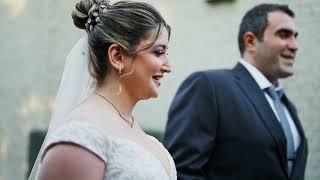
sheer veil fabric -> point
(76, 84)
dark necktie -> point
(279, 107)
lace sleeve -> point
(83, 134)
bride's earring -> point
(119, 87)
(120, 68)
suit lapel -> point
(294, 115)
(256, 96)
(301, 151)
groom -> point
(238, 124)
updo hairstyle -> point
(124, 23)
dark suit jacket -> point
(220, 127)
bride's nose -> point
(166, 68)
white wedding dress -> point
(125, 158)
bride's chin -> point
(150, 92)
(153, 94)
(156, 95)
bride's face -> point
(150, 67)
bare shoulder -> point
(90, 111)
(72, 162)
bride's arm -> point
(71, 162)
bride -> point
(92, 134)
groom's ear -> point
(250, 41)
(116, 56)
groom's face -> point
(276, 52)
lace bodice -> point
(125, 158)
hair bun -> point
(84, 9)
(80, 13)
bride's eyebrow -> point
(163, 46)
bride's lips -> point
(157, 79)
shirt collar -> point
(261, 80)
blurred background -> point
(36, 36)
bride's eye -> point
(159, 53)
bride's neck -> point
(123, 102)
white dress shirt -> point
(264, 83)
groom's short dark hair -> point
(256, 21)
